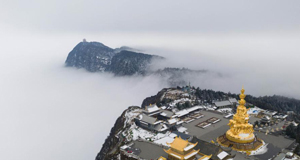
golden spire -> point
(242, 97)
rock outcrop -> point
(110, 148)
(96, 57)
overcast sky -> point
(51, 112)
(165, 16)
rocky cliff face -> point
(110, 148)
(111, 140)
(93, 56)
(156, 99)
(96, 57)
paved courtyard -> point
(192, 129)
(276, 143)
(149, 151)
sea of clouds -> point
(51, 112)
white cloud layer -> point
(50, 112)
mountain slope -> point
(96, 57)
(126, 61)
(93, 56)
(178, 76)
(129, 63)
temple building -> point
(181, 149)
(240, 136)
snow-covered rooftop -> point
(190, 155)
(172, 121)
(254, 110)
(193, 108)
(181, 129)
(182, 113)
(163, 107)
(222, 103)
(151, 108)
(147, 119)
(189, 147)
(222, 155)
(225, 110)
(173, 135)
(175, 155)
(179, 122)
(232, 100)
(167, 113)
(205, 158)
(164, 141)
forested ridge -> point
(275, 102)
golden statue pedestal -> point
(240, 138)
(251, 146)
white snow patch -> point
(130, 115)
(190, 155)
(136, 133)
(222, 155)
(181, 129)
(261, 150)
(173, 104)
(164, 141)
(188, 147)
(225, 110)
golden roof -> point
(179, 144)
(205, 157)
(162, 158)
(182, 156)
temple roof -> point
(181, 156)
(151, 108)
(167, 113)
(181, 144)
(205, 157)
(147, 119)
(222, 103)
(162, 158)
(207, 148)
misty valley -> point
(177, 96)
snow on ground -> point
(164, 141)
(225, 110)
(174, 92)
(172, 104)
(130, 115)
(254, 110)
(136, 133)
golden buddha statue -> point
(240, 135)
(240, 130)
